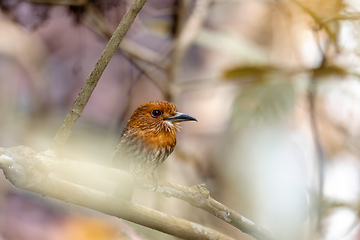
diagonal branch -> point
(198, 196)
(78, 106)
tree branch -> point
(33, 171)
(29, 170)
(199, 196)
(77, 108)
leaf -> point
(261, 103)
(248, 71)
(330, 71)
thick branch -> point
(64, 132)
(25, 169)
(41, 164)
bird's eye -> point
(156, 113)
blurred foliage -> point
(257, 72)
(330, 71)
(261, 103)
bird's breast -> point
(142, 151)
(161, 139)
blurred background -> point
(274, 85)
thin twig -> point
(140, 56)
(320, 156)
(187, 34)
(96, 22)
(64, 132)
(156, 77)
(319, 152)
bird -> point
(148, 138)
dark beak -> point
(181, 117)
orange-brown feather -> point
(146, 141)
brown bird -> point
(148, 138)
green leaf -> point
(248, 70)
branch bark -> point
(36, 172)
(198, 196)
(29, 170)
(83, 97)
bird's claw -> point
(141, 180)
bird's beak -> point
(181, 117)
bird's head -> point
(158, 117)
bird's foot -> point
(151, 179)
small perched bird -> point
(148, 138)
